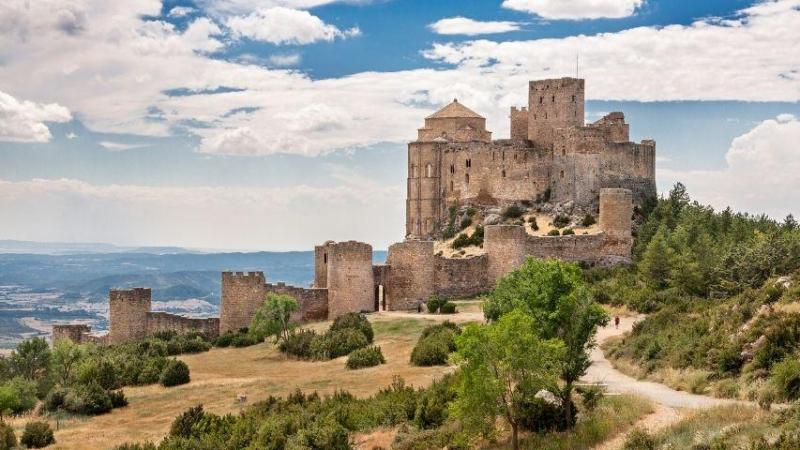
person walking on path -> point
(616, 322)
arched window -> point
(466, 178)
(429, 171)
(325, 258)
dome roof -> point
(453, 111)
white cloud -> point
(24, 121)
(575, 9)
(279, 25)
(761, 173)
(181, 11)
(470, 27)
(119, 146)
(284, 60)
(286, 218)
(234, 7)
(198, 35)
(71, 135)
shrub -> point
(224, 340)
(461, 241)
(431, 411)
(567, 232)
(433, 304)
(465, 222)
(334, 344)
(152, 370)
(786, 378)
(299, 343)
(539, 415)
(434, 345)
(54, 399)
(8, 440)
(245, 340)
(448, 308)
(591, 396)
(441, 327)
(588, 220)
(726, 388)
(88, 399)
(176, 372)
(639, 439)
(534, 224)
(118, 399)
(560, 221)
(355, 321)
(553, 232)
(512, 212)
(365, 357)
(37, 435)
(183, 424)
(17, 395)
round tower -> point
(505, 247)
(350, 278)
(616, 213)
(411, 274)
(128, 310)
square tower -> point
(554, 104)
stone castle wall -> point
(162, 321)
(462, 277)
(552, 105)
(350, 278)
(519, 123)
(313, 302)
(411, 274)
(74, 333)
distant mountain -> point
(65, 248)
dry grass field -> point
(257, 371)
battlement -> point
(130, 295)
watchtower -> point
(128, 310)
(242, 294)
(554, 104)
(616, 212)
(350, 278)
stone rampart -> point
(505, 247)
(350, 278)
(460, 277)
(75, 333)
(313, 302)
(128, 309)
(411, 274)
(163, 321)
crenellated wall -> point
(411, 274)
(313, 302)
(242, 294)
(350, 279)
(162, 321)
(461, 277)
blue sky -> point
(277, 124)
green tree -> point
(17, 395)
(556, 296)
(66, 356)
(498, 362)
(658, 260)
(31, 359)
(273, 317)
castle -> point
(552, 158)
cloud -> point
(279, 25)
(199, 35)
(575, 9)
(119, 146)
(206, 217)
(238, 7)
(24, 121)
(760, 175)
(181, 11)
(469, 27)
(284, 60)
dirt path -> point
(661, 418)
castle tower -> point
(128, 310)
(424, 191)
(411, 273)
(616, 213)
(350, 278)
(554, 104)
(505, 247)
(242, 294)
(519, 123)
(321, 264)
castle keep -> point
(553, 162)
(551, 156)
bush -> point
(334, 344)
(786, 378)
(441, 327)
(433, 303)
(118, 399)
(299, 343)
(431, 411)
(152, 370)
(355, 321)
(539, 415)
(553, 232)
(465, 222)
(512, 212)
(224, 340)
(176, 372)
(567, 232)
(465, 241)
(448, 308)
(17, 395)
(639, 439)
(365, 357)
(183, 424)
(588, 221)
(560, 221)
(88, 399)
(534, 224)
(54, 399)
(37, 435)
(245, 340)
(8, 440)
(434, 345)
(591, 396)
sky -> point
(279, 124)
